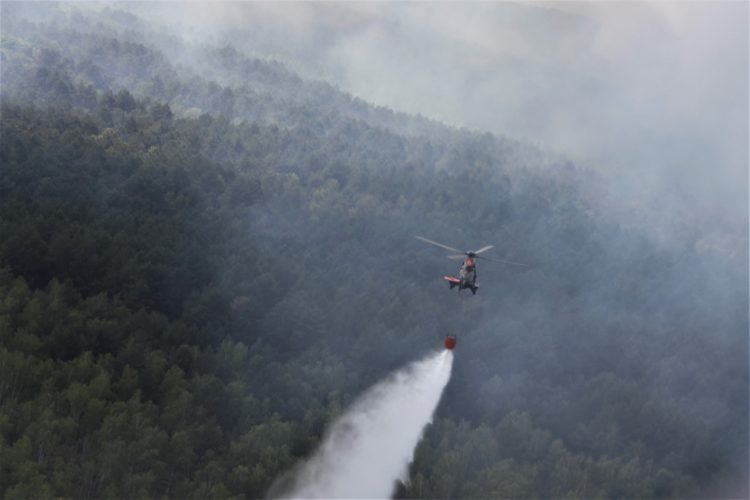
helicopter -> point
(467, 274)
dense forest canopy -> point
(205, 257)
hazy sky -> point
(658, 89)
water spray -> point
(370, 447)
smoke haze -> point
(653, 92)
(270, 220)
(371, 446)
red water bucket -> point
(449, 342)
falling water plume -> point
(371, 446)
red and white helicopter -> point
(467, 274)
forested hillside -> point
(205, 258)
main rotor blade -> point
(439, 244)
(483, 249)
(456, 257)
(502, 261)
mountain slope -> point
(191, 296)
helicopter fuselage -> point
(462, 284)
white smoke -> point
(371, 446)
